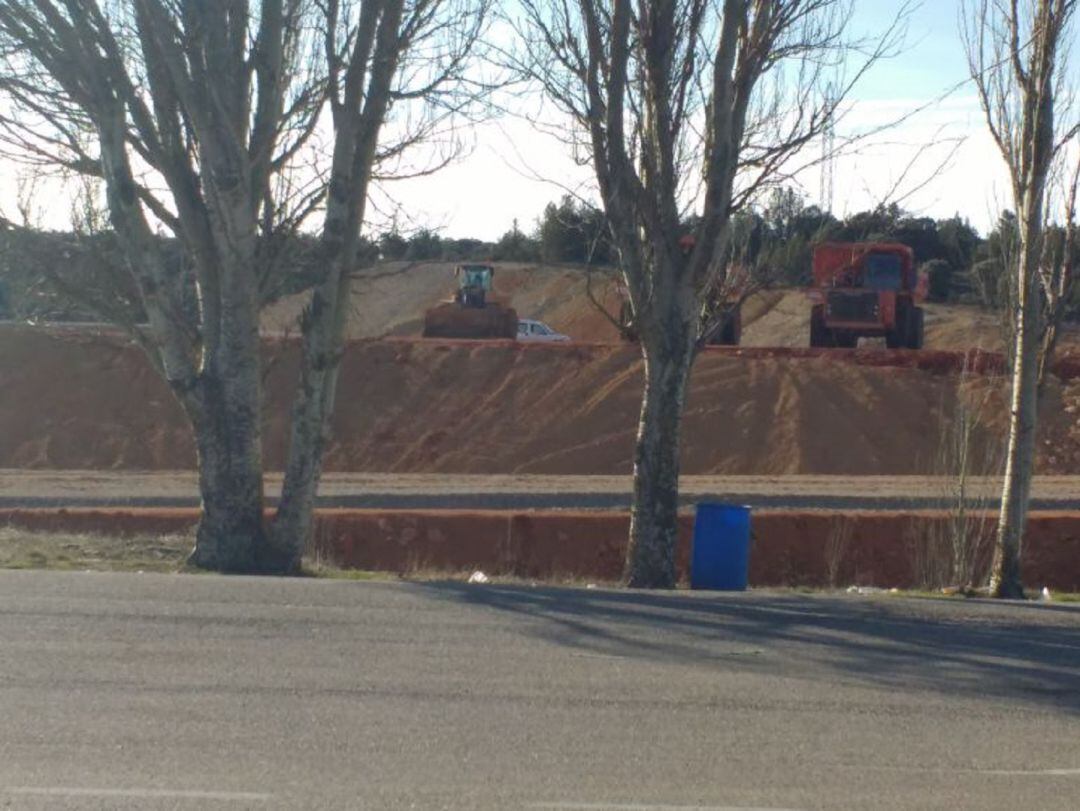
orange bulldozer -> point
(473, 312)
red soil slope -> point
(75, 400)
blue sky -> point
(933, 60)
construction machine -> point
(473, 312)
(866, 289)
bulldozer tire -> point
(846, 340)
(899, 337)
(916, 325)
(819, 333)
(730, 331)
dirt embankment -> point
(74, 400)
(390, 300)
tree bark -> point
(358, 123)
(231, 536)
(1005, 577)
(311, 415)
(650, 558)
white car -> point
(529, 330)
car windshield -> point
(882, 271)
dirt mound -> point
(75, 400)
(391, 300)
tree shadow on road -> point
(1023, 653)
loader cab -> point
(474, 283)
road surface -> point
(203, 692)
(51, 488)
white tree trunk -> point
(1005, 578)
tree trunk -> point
(650, 558)
(1005, 579)
(355, 142)
(231, 536)
(324, 337)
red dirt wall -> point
(73, 400)
(790, 548)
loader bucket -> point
(452, 320)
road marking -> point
(136, 793)
(564, 806)
(1034, 773)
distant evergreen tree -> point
(392, 246)
(574, 232)
(424, 245)
(515, 246)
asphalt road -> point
(443, 491)
(202, 692)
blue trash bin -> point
(720, 557)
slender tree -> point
(385, 53)
(1018, 55)
(686, 110)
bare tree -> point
(686, 109)
(1018, 55)
(428, 42)
(200, 119)
(1058, 265)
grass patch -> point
(70, 551)
(1056, 597)
(327, 571)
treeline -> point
(568, 232)
(776, 240)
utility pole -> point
(828, 154)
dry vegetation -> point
(70, 551)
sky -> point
(511, 171)
(502, 177)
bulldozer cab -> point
(474, 282)
(475, 276)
